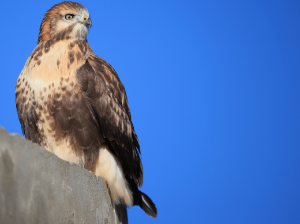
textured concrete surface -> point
(38, 187)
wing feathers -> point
(108, 100)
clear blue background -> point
(213, 88)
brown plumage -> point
(72, 103)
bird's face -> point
(70, 18)
(78, 20)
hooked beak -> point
(88, 22)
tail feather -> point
(142, 200)
(147, 205)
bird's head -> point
(69, 18)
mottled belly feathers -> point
(59, 109)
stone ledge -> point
(38, 187)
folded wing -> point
(107, 97)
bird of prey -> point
(72, 103)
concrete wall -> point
(38, 187)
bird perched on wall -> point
(72, 103)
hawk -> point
(72, 103)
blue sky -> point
(213, 88)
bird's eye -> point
(69, 16)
